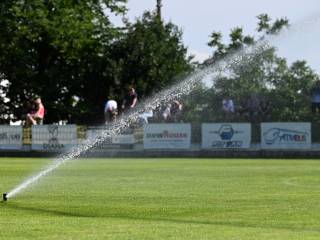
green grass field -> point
(163, 199)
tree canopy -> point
(264, 76)
(150, 54)
(70, 54)
(48, 48)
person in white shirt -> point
(166, 114)
(110, 110)
(228, 107)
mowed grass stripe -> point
(163, 199)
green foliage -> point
(263, 75)
(58, 50)
(150, 55)
(70, 54)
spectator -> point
(265, 110)
(242, 111)
(315, 98)
(110, 110)
(37, 113)
(172, 111)
(253, 105)
(166, 114)
(176, 111)
(228, 107)
(130, 100)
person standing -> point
(228, 108)
(176, 111)
(130, 100)
(110, 110)
(166, 114)
(37, 114)
(315, 98)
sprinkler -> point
(5, 198)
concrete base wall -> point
(175, 154)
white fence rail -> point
(213, 136)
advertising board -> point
(10, 137)
(167, 136)
(57, 138)
(291, 135)
(109, 141)
(226, 135)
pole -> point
(159, 5)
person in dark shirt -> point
(176, 111)
(130, 100)
(315, 98)
(265, 110)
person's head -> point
(37, 100)
(176, 104)
(132, 91)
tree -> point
(58, 50)
(150, 55)
(263, 74)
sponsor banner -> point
(123, 139)
(57, 138)
(226, 135)
(286, 135)
(10, 137)
(167, 136)
(109, 141)
(98, 133)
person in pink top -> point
(36, 117)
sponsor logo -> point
(167, 135)
(226, 133)
(4, 136)
(280, 135)
(53, 142)
(227, 144)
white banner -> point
(122, 139)
(286, 135)
(10, 137)
(56, 138)
(167, 136)
(226, 135)
(97, 132)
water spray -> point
(178, 90)
(181, 88)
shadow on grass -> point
(154, 218)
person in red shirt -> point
(36, 117)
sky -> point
(198, 19)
